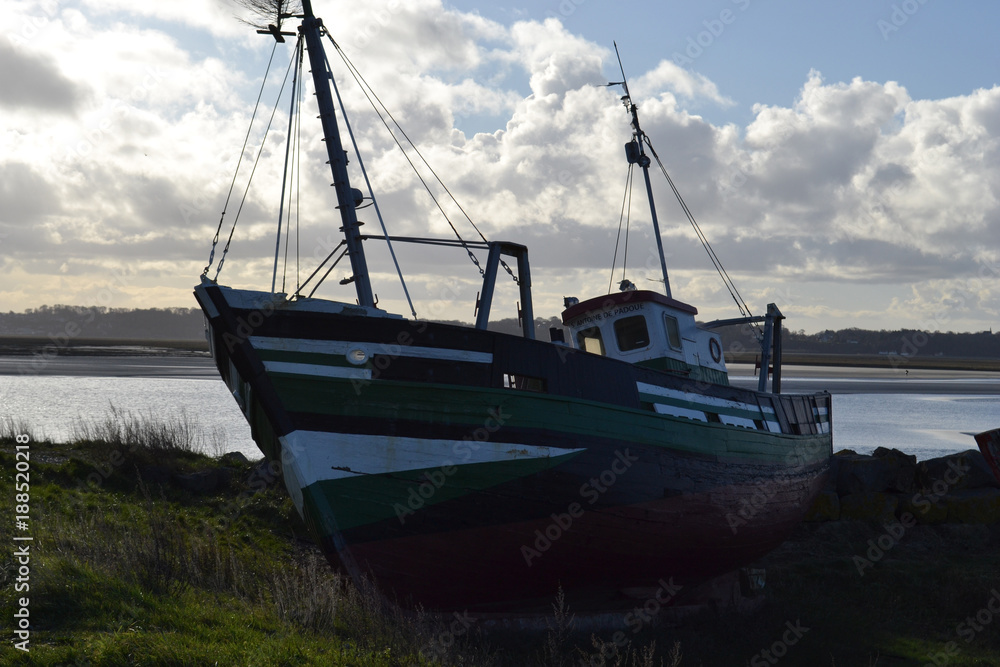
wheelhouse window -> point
(590, 340)
(673, 331)
(631, 333)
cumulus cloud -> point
(856, 188)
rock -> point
(902, 469)
(234, 459)
(964, 470)
(857, 473)
(868, 506)
(826, 507)
(225, 476)
(830, 481)
(980, 505)
(203, 481)
(925, 508)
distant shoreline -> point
(16, 346)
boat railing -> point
(770, 344)
(484, 300)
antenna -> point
(635, 152)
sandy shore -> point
(112, 366)
(859, 380)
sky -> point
(842, 158)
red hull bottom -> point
(594, 557)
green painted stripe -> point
(365, 499)
(696, 373)
(306, 358)
(471, 407)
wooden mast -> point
(312, 30)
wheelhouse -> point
(647, 329)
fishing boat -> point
(458, 467)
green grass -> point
(126, 570)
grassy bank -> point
(133, 564)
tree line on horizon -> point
(185, 324)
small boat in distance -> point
(463, 468)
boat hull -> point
(989, 445)
(465, 469)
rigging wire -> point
(295, 139)
(379, 109)
(292, 113)
(232, 184)
(730, 285)
(260, 151)
(628, 222)
(364, 173)
(626, 198)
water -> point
(55, 406)
(925, 425)
(926, 413)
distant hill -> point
(901, 342)
(188, 324)
(72, 322)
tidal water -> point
(925, 413)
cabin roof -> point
(601, 303)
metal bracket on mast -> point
(275, 31)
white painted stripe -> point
(343, 347)
(737, 421)
(700, 399)
(318, 370)
(675, 411)
(699, 415)
(319, 455)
